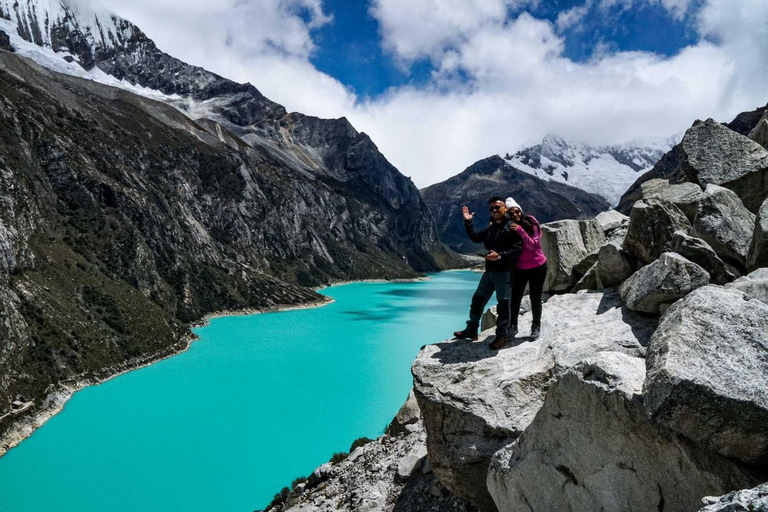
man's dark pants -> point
(492, 281)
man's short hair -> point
(494, 199)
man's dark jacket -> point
(499, 238)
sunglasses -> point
(495, 208)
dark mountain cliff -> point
(121, 220)
(547, 200)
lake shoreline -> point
(26, 424)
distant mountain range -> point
(547, 200)
(607, 171)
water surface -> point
(258, 401)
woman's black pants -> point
(520, 279)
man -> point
(503, 246)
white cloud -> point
(519, 87)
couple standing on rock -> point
(514, 260)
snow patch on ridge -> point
(607, 171)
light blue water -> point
(258, 401)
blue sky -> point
(440, 84)
(349, 47)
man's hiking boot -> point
(499, 341)
(512, 331)
(466, 334)
(535, 331)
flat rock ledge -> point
(474, 400)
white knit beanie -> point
(511, 203)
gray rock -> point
(652, 225)
(410, 462)
(759, 133)
(566, 243)
(667, 279)
(611, 220)
(585, 264)
(746, 500)
(758, 251)
(701, 253)
(685, 196)
(592, 448)
(386, 475)
(614, 266)
(716, 155)
(755, 284)
(474, 400)
(708, 372)
(490, 317)
(725, 224)
(407, 415)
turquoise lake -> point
(257, 402)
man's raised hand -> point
(467, 215)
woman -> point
(530, 267)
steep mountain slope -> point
(606, 171)
(122, 219)
(547, 200)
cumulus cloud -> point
(501, 77)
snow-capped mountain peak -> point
(607, 171)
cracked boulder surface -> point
(591, 448)
(474, 400)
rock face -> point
(5, 42)
(546, 200)
(708, 373)
(758, 251)
(759, 133)
(685, 196)
(747, 500)
(389, 474)
(701, 253)
(122, 220)
(725, 224)
(591, 447)
(755, 284)
(716, 155)
(566, 243)
(666, 280)
(652, 225)
(669, 168)
(474, 400)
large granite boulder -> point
(716, 155)
(666, 280)
(685, 196)
(725, 224)
(758, 251)
(759, 133)
(592, 448)
(652, 225)
(614, 225)
(701, 253)
(474, 400)
(613, 265)
(566, 243)
(708, 372)
(755, 284)
(746, 500)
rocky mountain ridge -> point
(548, 200)
(122, 219)
(647, 389)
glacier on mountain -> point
(607, 171)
